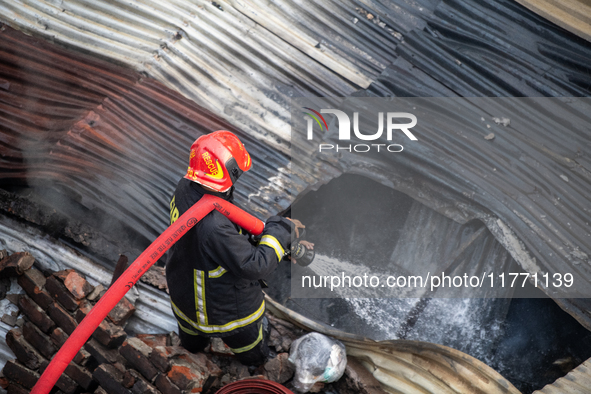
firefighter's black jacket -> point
(213, 271)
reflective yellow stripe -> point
(271, 241)
(249, 347)
(185, 329)
(216, 273)
(200, 296)
(210, 329)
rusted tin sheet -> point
(241, 59)
(113, 140)
(244, 59)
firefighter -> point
(214, 272)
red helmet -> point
(217, 160)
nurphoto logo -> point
(344, 124)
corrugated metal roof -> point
(529, 185)
(243, 60)
(500, 49)
(246, 73)
(488, 49)
(116, 142)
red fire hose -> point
(254, 386)
(126, 281)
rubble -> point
(62, 318)
(25, 353)
(60, 293)
(18, 374)
(279, 369)
(35, 314)
(110, 378)
(113, 362)
(76, 284)
(64, 383)
(95, 294)
(121, 312)
(155, 276)
(38, 340)
(502, 121)
(9, 320)
(33, 282)
(137, 354)
(376, 21)
(15, 264)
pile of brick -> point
(111, 362)
(54, 304)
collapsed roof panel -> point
(528, 179)
(410, 366)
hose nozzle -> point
(301, 254)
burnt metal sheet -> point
(488, 49)
(529, 185)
